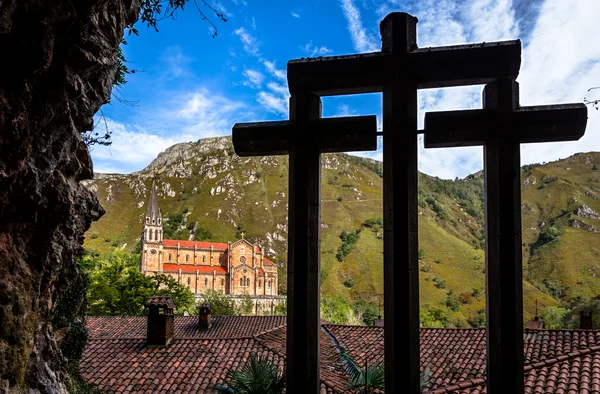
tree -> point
(259, 375)
(117, 288)
(555, 317)
(220, 304)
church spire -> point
(153, 215)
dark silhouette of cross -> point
(501, 127)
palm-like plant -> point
(372, 377)
(257, 376)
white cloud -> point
(186, 117)
(274, 71)
(249, 41)
(176, 63)
(313, 50)
(561, 60)
(254, 79)
(276, 100)
(295, 14)
(362, 41)
(253, 24)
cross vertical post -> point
(304, 212)
(503, 255)
(401, 274)
(501, 126)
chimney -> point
(160, 321)
(378, 322)
(585, 320)
(535, 324)
(204, 316)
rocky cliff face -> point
(58, 63)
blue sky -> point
(191, 86)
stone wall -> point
(57, 66)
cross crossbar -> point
(430, 67)
(346, 134)
(549, 123)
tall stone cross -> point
(304, 138)
(501, 126)
(398, 71)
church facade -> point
(235, 268)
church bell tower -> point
(152, 234)
(153, 221)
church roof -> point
(191, 244)
(153, 211)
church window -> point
(205, 282)
(152, 251)
(153, 221)
(222, 282)
(155, 235)
(204, 259)
(242, 260)
(241, 281)
(150, 235)
(159, 222)
(170, 256)
(242, 250)
(269, 284)
(259, 283)
(187, 258)
(189, 281)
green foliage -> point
(246, 305)
(437, 207)
(348, 283)
(479, 320)
(375, 224)
(117, 288)
(172, 226)
(220, 304)
(375, 166)
(439, 283)
(475, 293)
(595, 167)
(201, 234)
(259, 375)
(421, 254)
(281, 309)
(453, 302)
(240, 230)
(335, 309)
(370, 377)
(434, 316)
(348, 242)
(94, 235)
(365, 311)
(555, 317)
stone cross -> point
(501, 126)
(304, 138)
(398, 71)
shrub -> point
(594, 167)
(475, 293)
(465, 298)
(94, 235)
(348, 242)
(340, 198)
(439, 283)
(421, 254)
(348, 283)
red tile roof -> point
(192, 268)
(268, 262)
(198, 244)
(117, 359)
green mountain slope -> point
(208, 191)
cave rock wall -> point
(57, 65)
